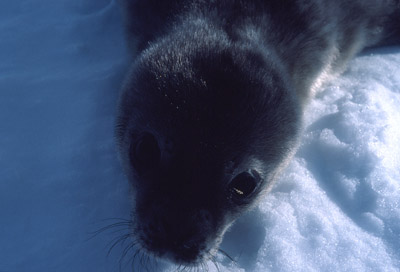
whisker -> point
(141, 259)
(127, 249)
(114, 225)
(118, 240)
(215, 264)
(202, 265)
(120, 261)
(153, 262)
(148, 262)
(206, 267)
(133, 258)
(117, 218)
(227, 255)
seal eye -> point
(145, 152)
(243, 185)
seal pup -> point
(211, 109)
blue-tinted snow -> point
(335, 208)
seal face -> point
(201, 143)
(211, 109)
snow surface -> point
(335, 208)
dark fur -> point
(221, 85)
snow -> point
(335, 208)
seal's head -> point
(203, 129)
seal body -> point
(210, 111)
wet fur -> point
(222, 86)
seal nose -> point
(187, 252)
(181, 237)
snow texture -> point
(335, 208)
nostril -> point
(190, 252)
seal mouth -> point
(186, 255)
(182, 252)
(184, 240)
